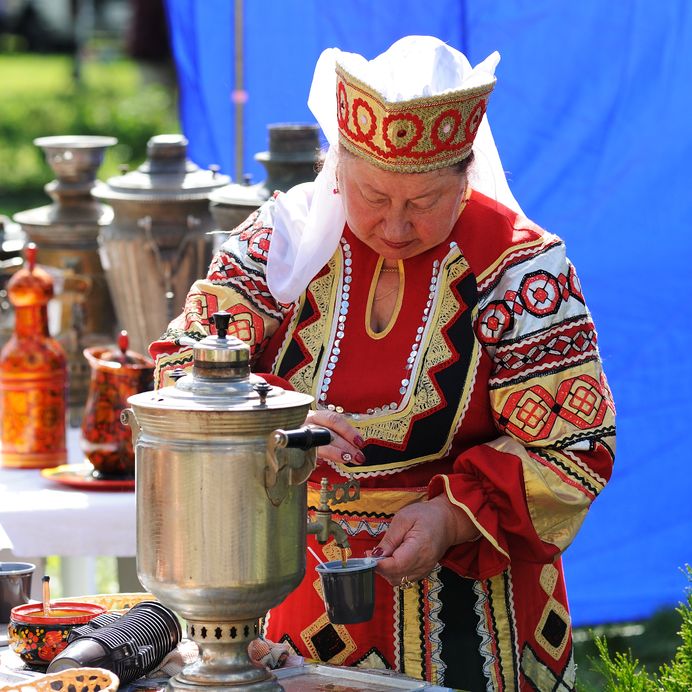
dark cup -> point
(15, 586)
(348, 592)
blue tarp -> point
(593, 119)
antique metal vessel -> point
(66, 233)
(221, 464)
(157, 243)
(293, 157)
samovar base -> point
(223, 664)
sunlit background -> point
(591, 117)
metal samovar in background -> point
(66, 233)
(293, 157)
(221, 466)
(157, 243)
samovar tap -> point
(323, 525)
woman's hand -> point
(346, 444)
(419, 535)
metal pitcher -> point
(221, 463)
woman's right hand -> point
(346, 444)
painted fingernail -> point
(360, 458)
(377, 552)
(358, 441)
(348, 458)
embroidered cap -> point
(415, 108)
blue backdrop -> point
(593, 118)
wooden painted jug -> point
(116, 374)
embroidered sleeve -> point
(528, 490)
(236, 282)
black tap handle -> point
(307, 437)
(221, 320)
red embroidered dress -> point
(486, 385)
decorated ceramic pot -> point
(116, 374)
(38, 637)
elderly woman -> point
(449, 350)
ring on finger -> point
(347, 457)
(405, 583)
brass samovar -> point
(221, 466)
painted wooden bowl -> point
(37, 637)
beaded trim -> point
(411, 360)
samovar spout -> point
(323, 525)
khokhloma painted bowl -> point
(37, 637)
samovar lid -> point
(166, 174)
(220, 380)
(238, 195)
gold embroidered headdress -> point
(411, 136)
(416, 107)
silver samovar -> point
(157, 243)
(221, 465)
(66, 233)
(293, 157)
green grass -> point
(40, 98)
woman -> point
(446, 341)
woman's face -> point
(399, 215)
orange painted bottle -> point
(33, 376)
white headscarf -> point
(309, 219)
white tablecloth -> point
(40, 517)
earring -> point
(335, 191)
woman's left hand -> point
(419, 535)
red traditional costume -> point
(487, 386)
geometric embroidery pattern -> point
(325, 641)
(540, 294)
(552, 631)
(543, 678)
(530, 414)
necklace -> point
(384, 269)
(386, 295)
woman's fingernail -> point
(358, 441)
(360, 457)
(377, 552)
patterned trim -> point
(515, 254)
(541, 677)
(421, 134)
(436, 370)
(435, 627)
(486, 648)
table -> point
(39, 517)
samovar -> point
(66, 233)
(292, 158)
(221, 462)
(157, 243)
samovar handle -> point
(280, 474)
(128, 417)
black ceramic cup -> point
(15, 586)
(348, 592)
